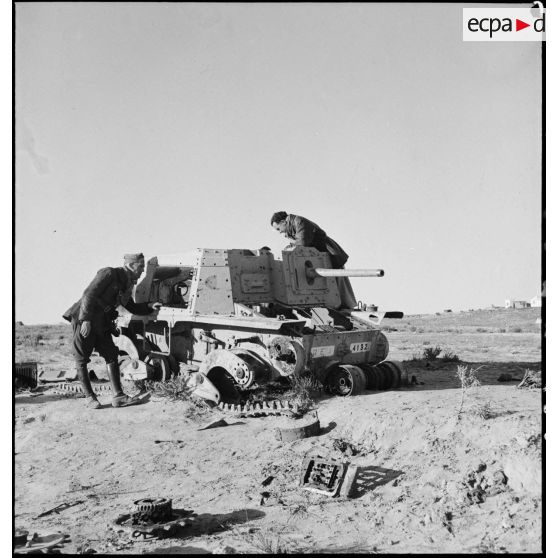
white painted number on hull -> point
(360, 347)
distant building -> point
(536, 301)
(516, 304)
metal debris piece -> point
(26, 374)
(75, 387)
(20, 536)
(327, 476)
(298, 430)
(35, 543)
(60, 507)
(153, 518)
(268, 480)
(275, 407)
(156, 510)
(214, 424)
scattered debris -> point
(26, 374)
(48, 375)
(153, 518)
(75, 387)
(35, 543)
(264, 408)
(60, 508)
(346, 447)
(327, 476)
(215, 424)
(447, 522)
(297, 429)
(480, 485)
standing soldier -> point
(92, 322)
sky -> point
(168, 127)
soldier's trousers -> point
(99, 340)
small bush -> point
(431, 353)
(484, 410)
(269, 543)
(450, 356)
(468, 378)
(175, 388)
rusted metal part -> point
(26, 374)
(346, 379)
(388, 374)
(205, 389)
(242, 366)
(161, 366)
(298, 430)
(154, 510)
(324, 476)
(287, 356)
(136, 370)
(153, 518)
(69, 388)
(263, 408)
(39, 544)
(59, 508)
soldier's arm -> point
(139, 308)
(304, 233)
(90, 297)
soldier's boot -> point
(83, 375)
(119, 398)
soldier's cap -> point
(133, 258)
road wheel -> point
(346, 380)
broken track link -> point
(263, 408)
(74, 388)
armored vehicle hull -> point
(237, 318)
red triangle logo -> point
(519, 25)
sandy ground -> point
(427, 482)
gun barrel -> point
(325, 272)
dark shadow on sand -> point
(208, 523)
(369, 478)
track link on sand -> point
(263, 408)
(74, 388)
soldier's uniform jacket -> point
(306, 233)
(112, 286)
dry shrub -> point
(431, 353)
(174, 389)
(532, 379)
(484, 410)
(268, 543)
(468, 378)
(450, 356)
(303, 391)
